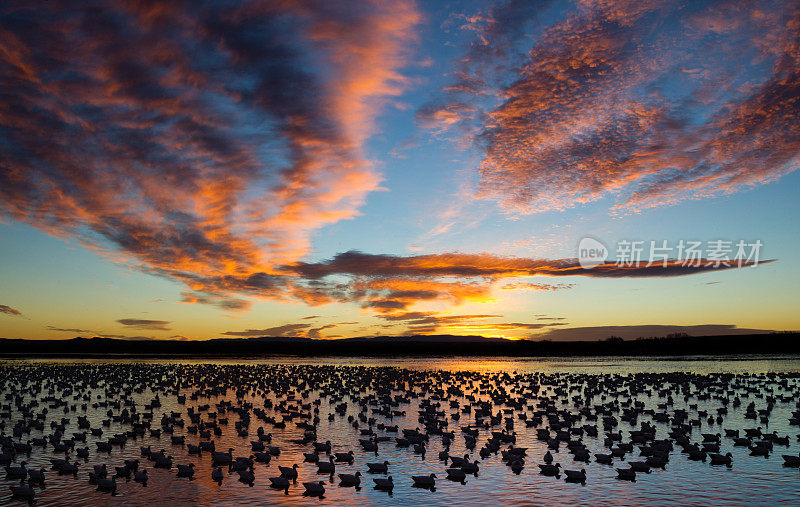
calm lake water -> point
(555, 389)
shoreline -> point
(468, 357)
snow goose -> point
(384, 484)
(350, 479)
(289, 472)
(378, 468)
(424, 481)
(314, 488)
(576, 475)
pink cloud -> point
(638, 102)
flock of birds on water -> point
(69, 414)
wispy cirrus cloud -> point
(300, 330)
(196, 141)
(407, 323)
(176, 337)
(536, 286)
(637, 101)
(9, 310)
(428, 323)
(68, 329)
(157, 325)
(284, 330)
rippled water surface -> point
(501, 395)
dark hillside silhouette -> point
(446, 345)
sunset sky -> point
(326, 169)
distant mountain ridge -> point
(415, 345)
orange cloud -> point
(391, 285)
(195, 142)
